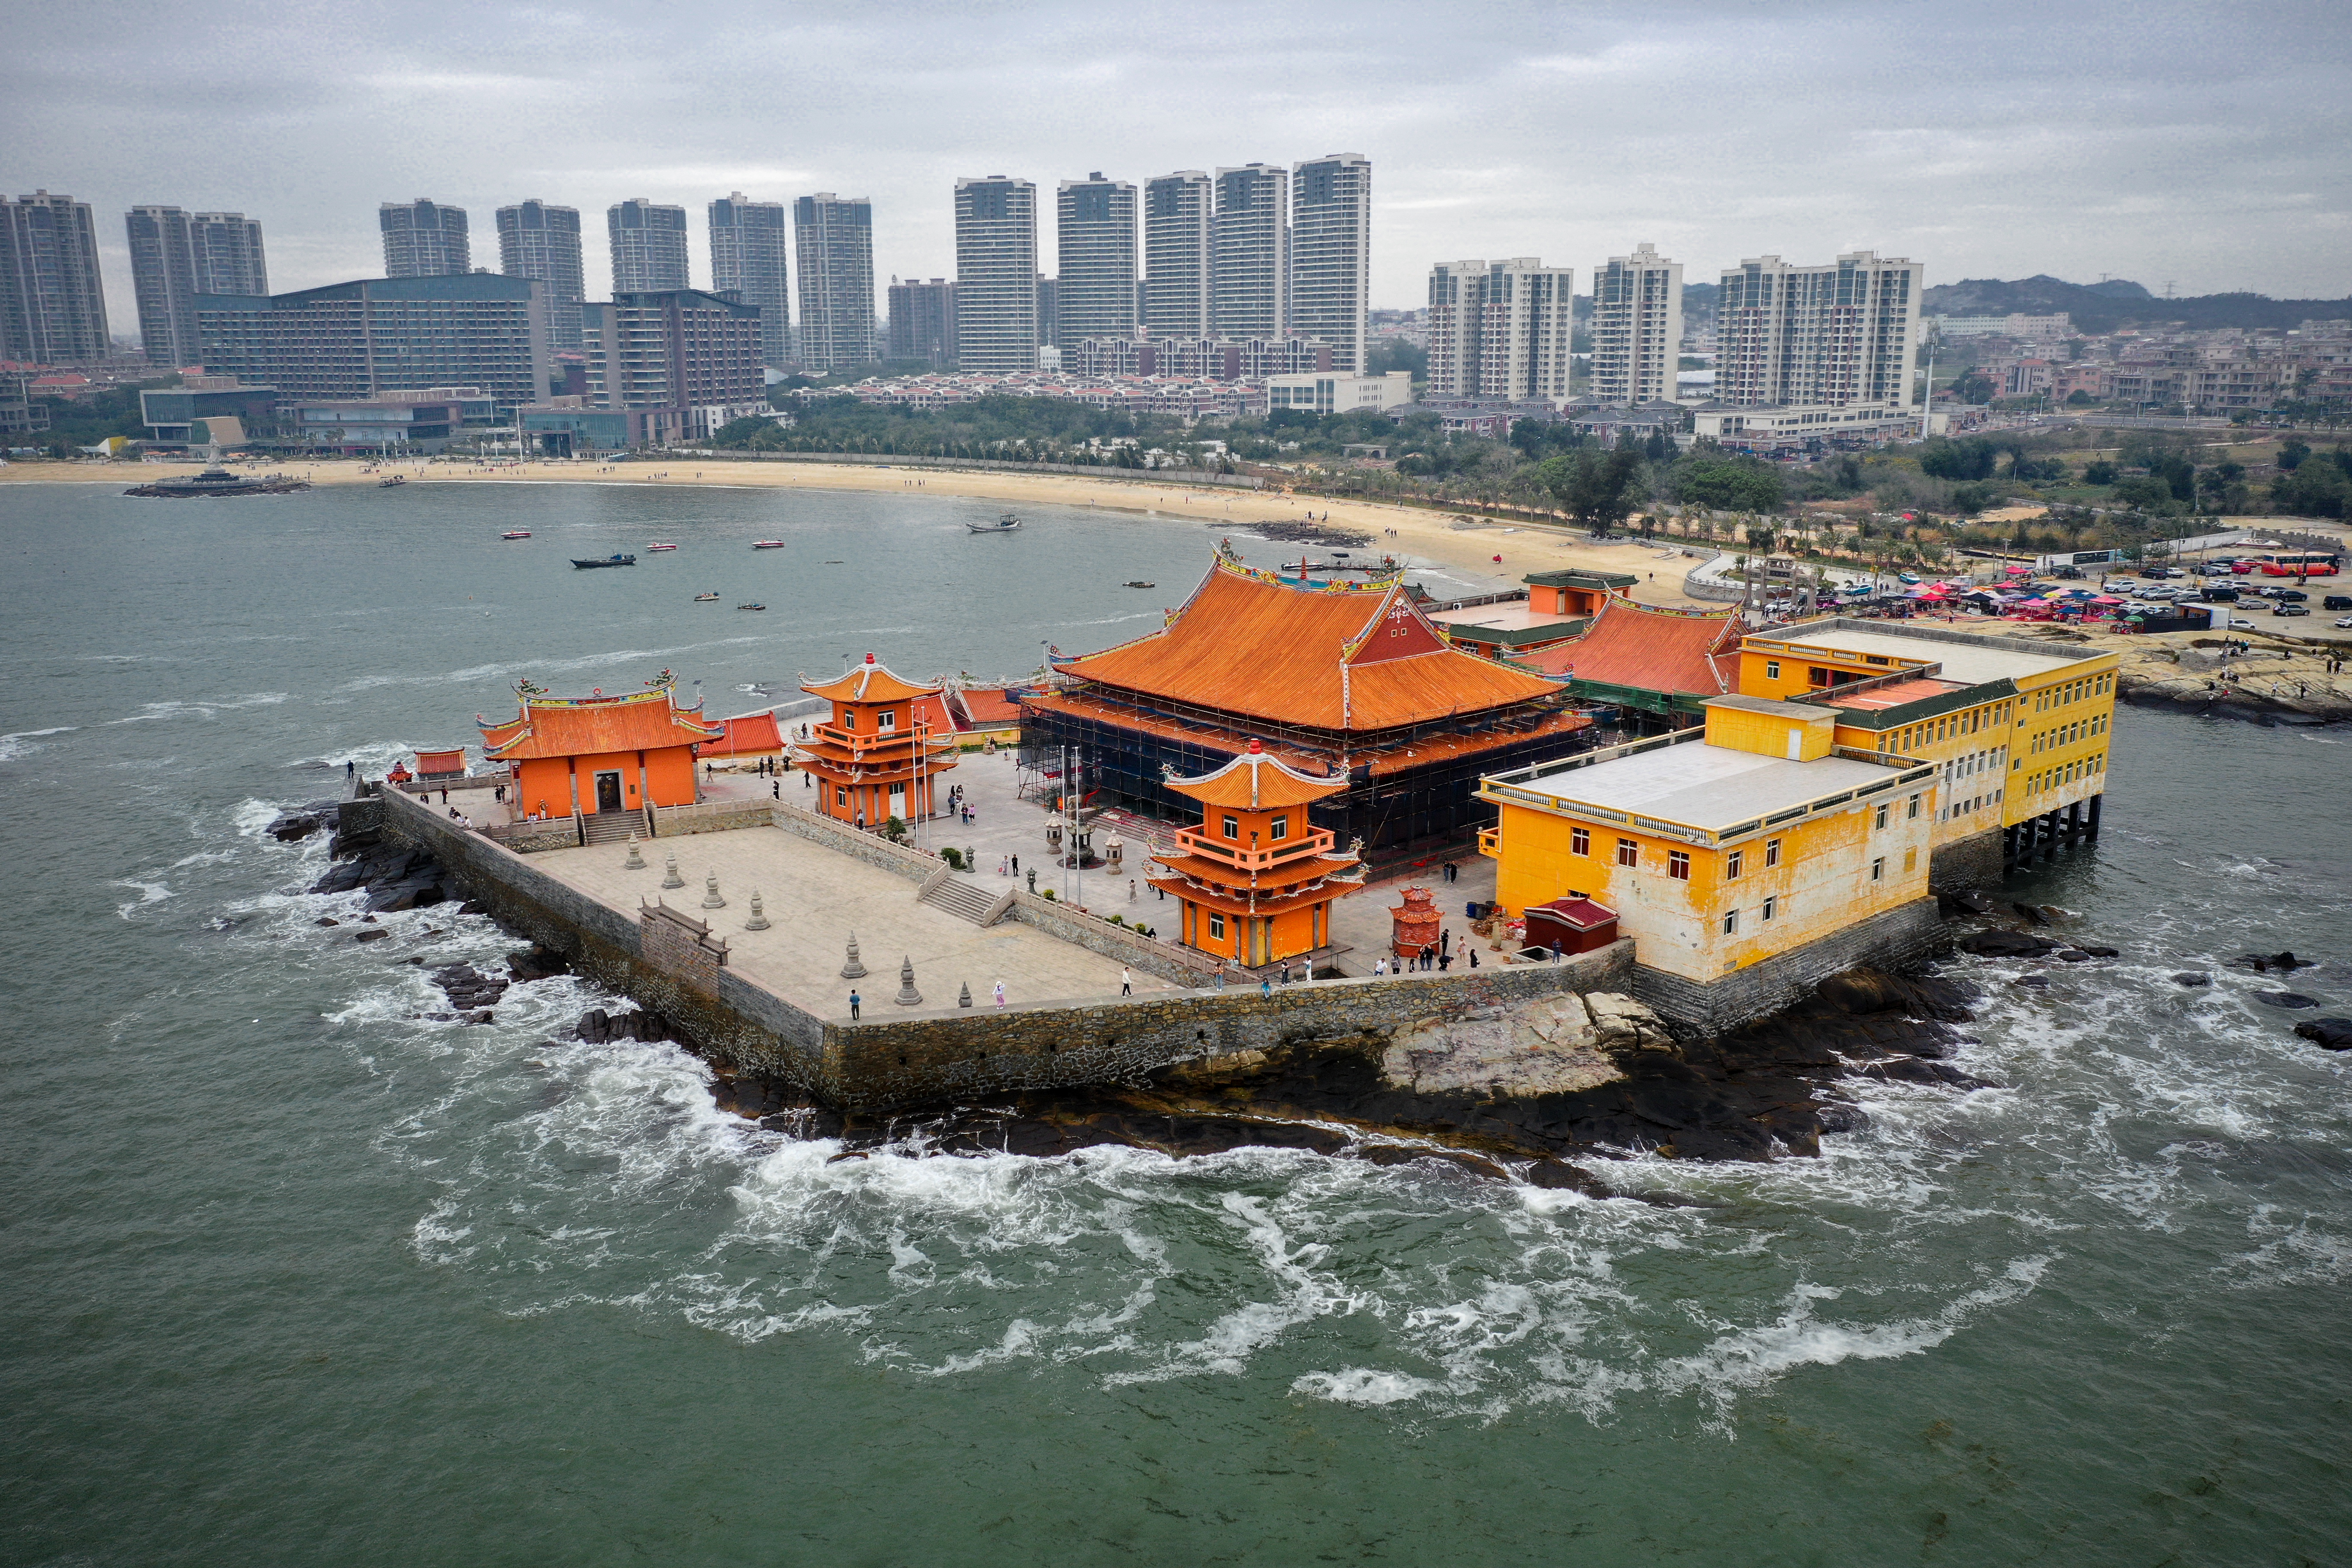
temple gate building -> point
(1255, 879)
(881, 755)
(1345, 680)
(585, 756)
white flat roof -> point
(1714, 788)
(1968, 664)
(1512, 615)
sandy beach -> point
(1494, 549)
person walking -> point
(1016, 868)
(350, 768)
(853, 1007)
(1472, 952)
(1000, 993)
(1126, 981)
(1380, 967)
(1131, 889)
(777, 789)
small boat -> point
(751, 606)
(1141, 584)
(394, 480)
(767, 544)
(608, 561)
(705, 598)
(1005, 524)
(658, 549)
(516, 533)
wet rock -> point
(293, 828)
(1559, 1175)
(1938, 1075)
(2264, 962)
(2031, 914)
(1835, 1116)
(2330, 1034)
(327, 921)
(1560, 1045)
(537, 962)
(473, 907)
(2090, 950)
(597, 1026)
(2008, 944)
(2287, 999)
(848, 1154)
(2192, 978)
(1863, 993)
(2072, 955)
(2032, 981)
(1967, 901)
(377, 935)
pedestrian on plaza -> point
(1131, 889)
(777, 789)
(1000, 993)
(1444, 961)
(445, 796)
(1472, 952)
(1555, 950)
(1380, 967)
(350, 768)
(853, 1007)
(1265, 987)
(1016, 867)
(1126, 981)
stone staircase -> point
(614, 826)
(961, 899)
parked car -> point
(2336, 602)
(2344, 624)
(2239, 568)
(2290, 596)
(2239, 623)
(2289, 610)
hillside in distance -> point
(2103, 307)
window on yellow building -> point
(1878, 869)
(1771, 907)
(1731, 863)
(1771, 669)
(1233, 827)
(1628, 852)
(1771, 852)
(1216, 924)
(1878, 818)
(1679, 865)
(1580, 841)
(1913, 809)
(1280, 828)
(1731, 922)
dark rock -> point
(2332, 1034)
(1967, 901)
(2030, 914)
(1559, 1175)
(2192, 978)
(537, 963)
(377, 935)
(2091, 950)
(1835, 1116)
(328, 921)
(2072, 955)
(2287, 999)
(2032, 981)
(2264, 962)
(2008, 944)
(473, 907)
(848, 1154)
(480, 1015)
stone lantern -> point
(1113, 848)
(1416, 923)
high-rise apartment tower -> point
(1827, 337)
(537, 240)
(228, 255)
(1637, 327)
(424, 239)
(996, 274)
(52, 305)
(1249, 252)
(1500, 329)
(834, 236)
(749, 244)
(1094, 241)
(1176, 213)
(163, 283)
(1332, 253)
(923, 320)
(648, 246)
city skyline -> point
(2121, 182)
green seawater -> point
(293, 1277)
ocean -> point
(295, 1276)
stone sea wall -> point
(1975, 861)
(1892, 939)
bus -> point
(2299, 563)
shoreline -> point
(1522, 547)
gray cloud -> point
(2200, 143)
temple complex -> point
(1341, 681)
(880, 756)
(583, 756)
(1255, 879)
(1658, 666)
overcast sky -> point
(2201, 144)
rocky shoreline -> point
(1536, 1093)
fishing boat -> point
(1005, 524)
(608, 561)
(385, 484)
(767, 544)
(658, 549)
(1140, 584)
(516, 533)
(751, 606)
(706, 598)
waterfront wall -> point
(1976, 861)
(1889, 940)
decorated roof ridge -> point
(1226, 786)
(548, 725)
(868, 681)
(1572, 660)
(1396, 591)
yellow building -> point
(2018, 730)
(1747, 859)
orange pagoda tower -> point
(881, 755)
(1256, 880)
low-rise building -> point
(19, 415)
(1747, 859)
(1317, 392)
(1558, 605)
(412, 421)
(599, 757)
(180, 415)
(1769, 429)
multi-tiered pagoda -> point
(1255, 879)
(883, 751)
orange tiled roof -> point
(1650, 649)
(989, 707)
(1321, 657)
(1257, 781)
(867, 683)
(580, 726)
(751, 733)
